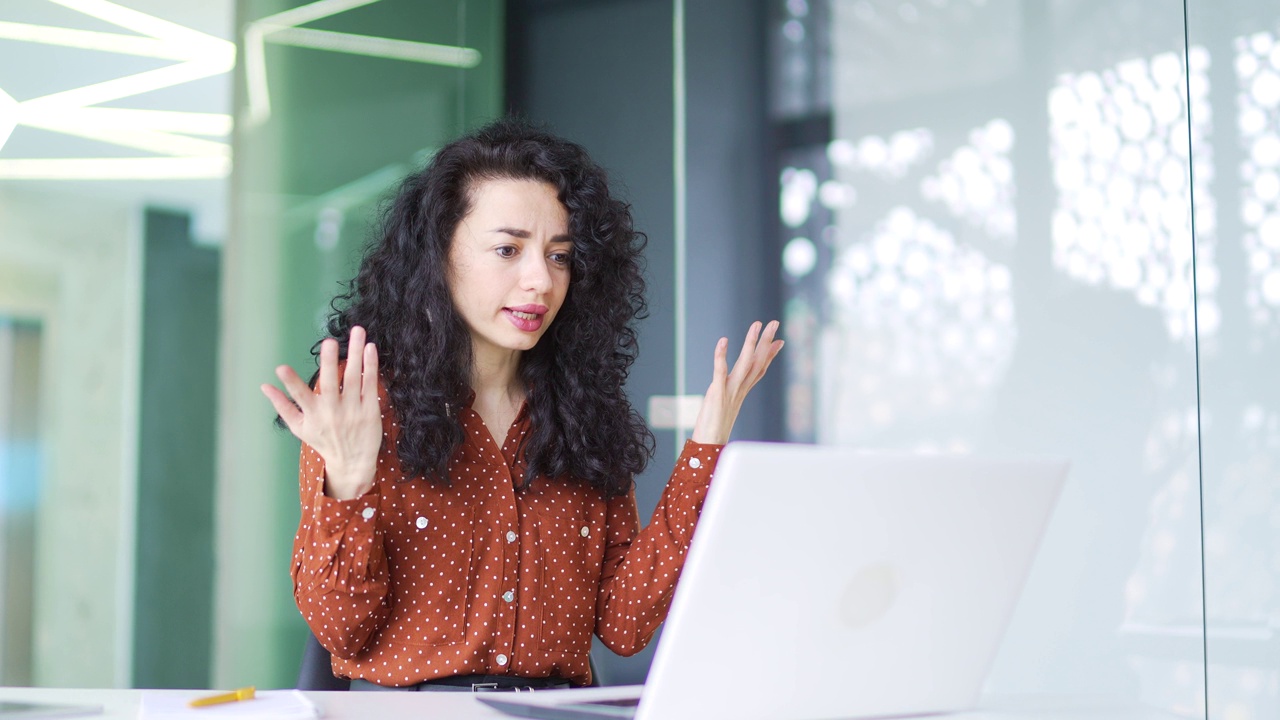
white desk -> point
(123, 705)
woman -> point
(468, 509)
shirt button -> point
(509, 596)
(422, 523)
(695, 463)
(501, 659)
(367, 513)
(511, 536)
(585, 531)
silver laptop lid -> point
(824, 582)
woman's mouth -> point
(527, 318)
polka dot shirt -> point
(413, 581)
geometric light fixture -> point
(184, 145)
(182, 142)
(283, 29)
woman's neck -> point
(496, 374)
(499, 392)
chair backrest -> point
(316, 671)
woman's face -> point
(510, 265)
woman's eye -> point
(561, 258)
(506, 251)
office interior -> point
(1000, 227)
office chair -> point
(316, 671)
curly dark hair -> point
(582, 424)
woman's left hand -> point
(728, 389)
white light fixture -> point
(92, 40)
(187, 123)
(447, 55)
(8, 117)
(152, 168)
(282, 28)
(71, 112)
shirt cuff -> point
(339, 518)
(697, 462)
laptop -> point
(825, 582)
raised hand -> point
(341, 421)
(729, 389)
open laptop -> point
(825, 582)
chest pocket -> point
(430, 547)
(572, 553)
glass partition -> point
(985, 222)
(112, 116)
(1237, 220)
(335, 102)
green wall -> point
(173, 598)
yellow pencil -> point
(245, 693)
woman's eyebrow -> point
(513, 232)
(525, 234)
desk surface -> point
(123, 705)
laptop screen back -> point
(825, 582)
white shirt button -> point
(695, 463)
(366, 513)
(585, 531)
(501, 659)
(509, 596)
(511, 536)
(422, 523)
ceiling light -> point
(190, 123)
(255, 62)
(159, 168)
(162, 143)
(447, 55)
(136, 84)
(198, 43)
(70, 112)
(92, 40)
(8, 117)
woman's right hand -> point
(342, 422)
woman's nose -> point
(534, 273)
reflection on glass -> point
(1257, 66)
(1240, 413)
(1119, 146)
(992, 252)
(108, 109)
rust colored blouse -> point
(413, 581)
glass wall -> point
(335, 102)
(986, 222)
(1237, 219)
(147, 504)
(107, 110)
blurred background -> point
(989, 226)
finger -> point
(765, 345)
(762, 366)
(355, 355)
(369, 388)
(748, 345)
(285, 408)
(720, 362)
(329, 368)
(296, 387)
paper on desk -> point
(266, 705)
